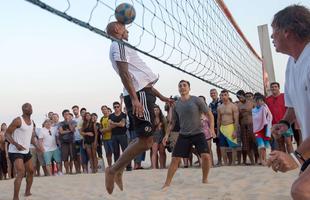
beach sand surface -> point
(225, 183)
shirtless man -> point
(20, 134)
(227, 126)
(246, 126)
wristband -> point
(298, 155)
(285, 123)
(295, 159)
(305, 165)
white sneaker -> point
(60, 174)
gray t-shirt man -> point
(189, 113)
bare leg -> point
(140, 145)
(20, 173)
(205, 166)
(171, 171)
(66, 163)
(224, 155)
(49, 170)
(251, 156)
(185, 162)
(234, 156)
(264, 156)
(59, 167)
(162, 156)
(154, 155)
(244, 155)
(45, 170)
(211, 153)
(94, 157)
(89, 153)
(29, 177)
(71, 165)
(219, 154)
(77, 164)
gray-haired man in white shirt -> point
(291, 36)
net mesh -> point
(195, 37)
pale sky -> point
(54, 64)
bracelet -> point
(295, 159)
(298, 155)
(285, 122)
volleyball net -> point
(199, 38)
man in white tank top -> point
(20, 134)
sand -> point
(225, 183)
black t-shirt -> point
(118, 130)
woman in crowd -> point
(90, 133)
(159, 133)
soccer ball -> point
(125, 13)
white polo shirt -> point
(297, 89)
(140, 73)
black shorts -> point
(185, 143)
(24, 157)
(143, 126)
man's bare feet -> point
(27, 194)
(119, 180)
(165, 186)
(205, 181)
(109, 180)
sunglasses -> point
(50, 133)
(116, 107)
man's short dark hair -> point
(104, 106)
(224, 91)
(295, 18)
(116, 103)
(250, 93)
(94, 114)
(83, 109)
(204, 98)
(240, 93)
(184, 81)
(64, 111)
(275, 83)
(71, 114)
(75, 106)
(259, 96)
